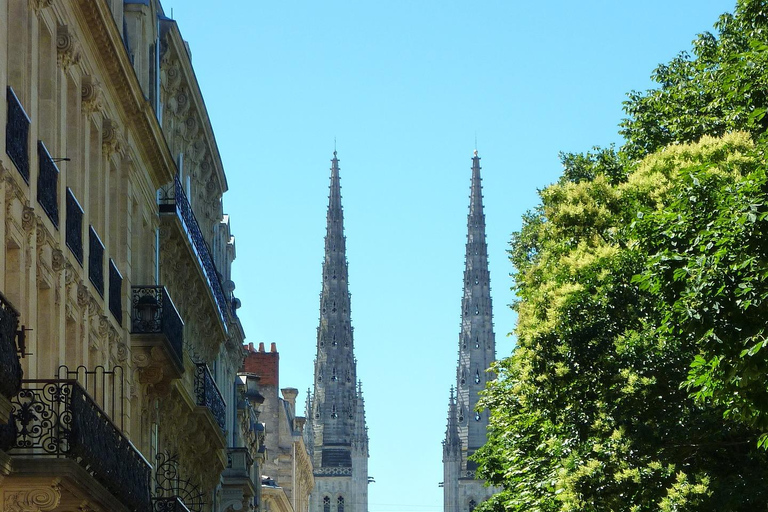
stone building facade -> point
(466, 430)
(287, 479)
(115, 271)
(336, 432)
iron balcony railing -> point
(10, 366)
(153, 312)
(17, 134)
(173, 504)
(74, 226)
(96, 261)
(115, 292)
(57, 418)
(208, 394)
(176, 202)
(48, 184)
(173, 490)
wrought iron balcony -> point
(175, 493)
(153, 312)
(174, 200)
(96, 261)
(17, 135)
(48, 184)
(115, 292)
(57, 418)
(74, 226)
(208, 394)
(173, 504)
(10, 367)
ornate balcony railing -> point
(173, 504)
(96, 261)
(173, 492)
(10, 367)
(115, 292)
(175, 201)
(17, 135)
(208, 394)
(48, 184)
(74, 226)
(153, 312)
(57, 418)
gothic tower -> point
(466, 431)
(337, 436)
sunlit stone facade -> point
(116, 263)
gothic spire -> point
(477, 345)
(452, 445)
(334, 403)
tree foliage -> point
(588, 413)
(639, 377)
(721, 86)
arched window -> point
(327, 504)
(472, 505)
(340, 504)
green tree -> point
(588, 413)
(722, 86)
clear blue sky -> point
(404, 87)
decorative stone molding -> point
(67, 47)
(91, 94)
(39, 5)
(28, 218)
(112, 139)
(36, 499)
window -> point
(340, 504)
(477, 376)
(477, 416)
(326, 504)
(472, 505)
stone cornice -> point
(185, 62)
(113, 59)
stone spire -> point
(477, 350)
(337, 430)
(452, 443)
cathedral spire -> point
(338, 434)
(477, 350)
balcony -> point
(96, 261)
(155, 322)
(17, 135)
(10, 367)
(174, 493)
(58, 420)
(115, 292)
(209, 396)
(48, 184)
(74, 226)
(174, 504)
(174, 201)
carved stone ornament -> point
(40, 499)
(57, 260)
(67, 47)
(111, 139)
(39, 5)
(27, 218)
(90, 91)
